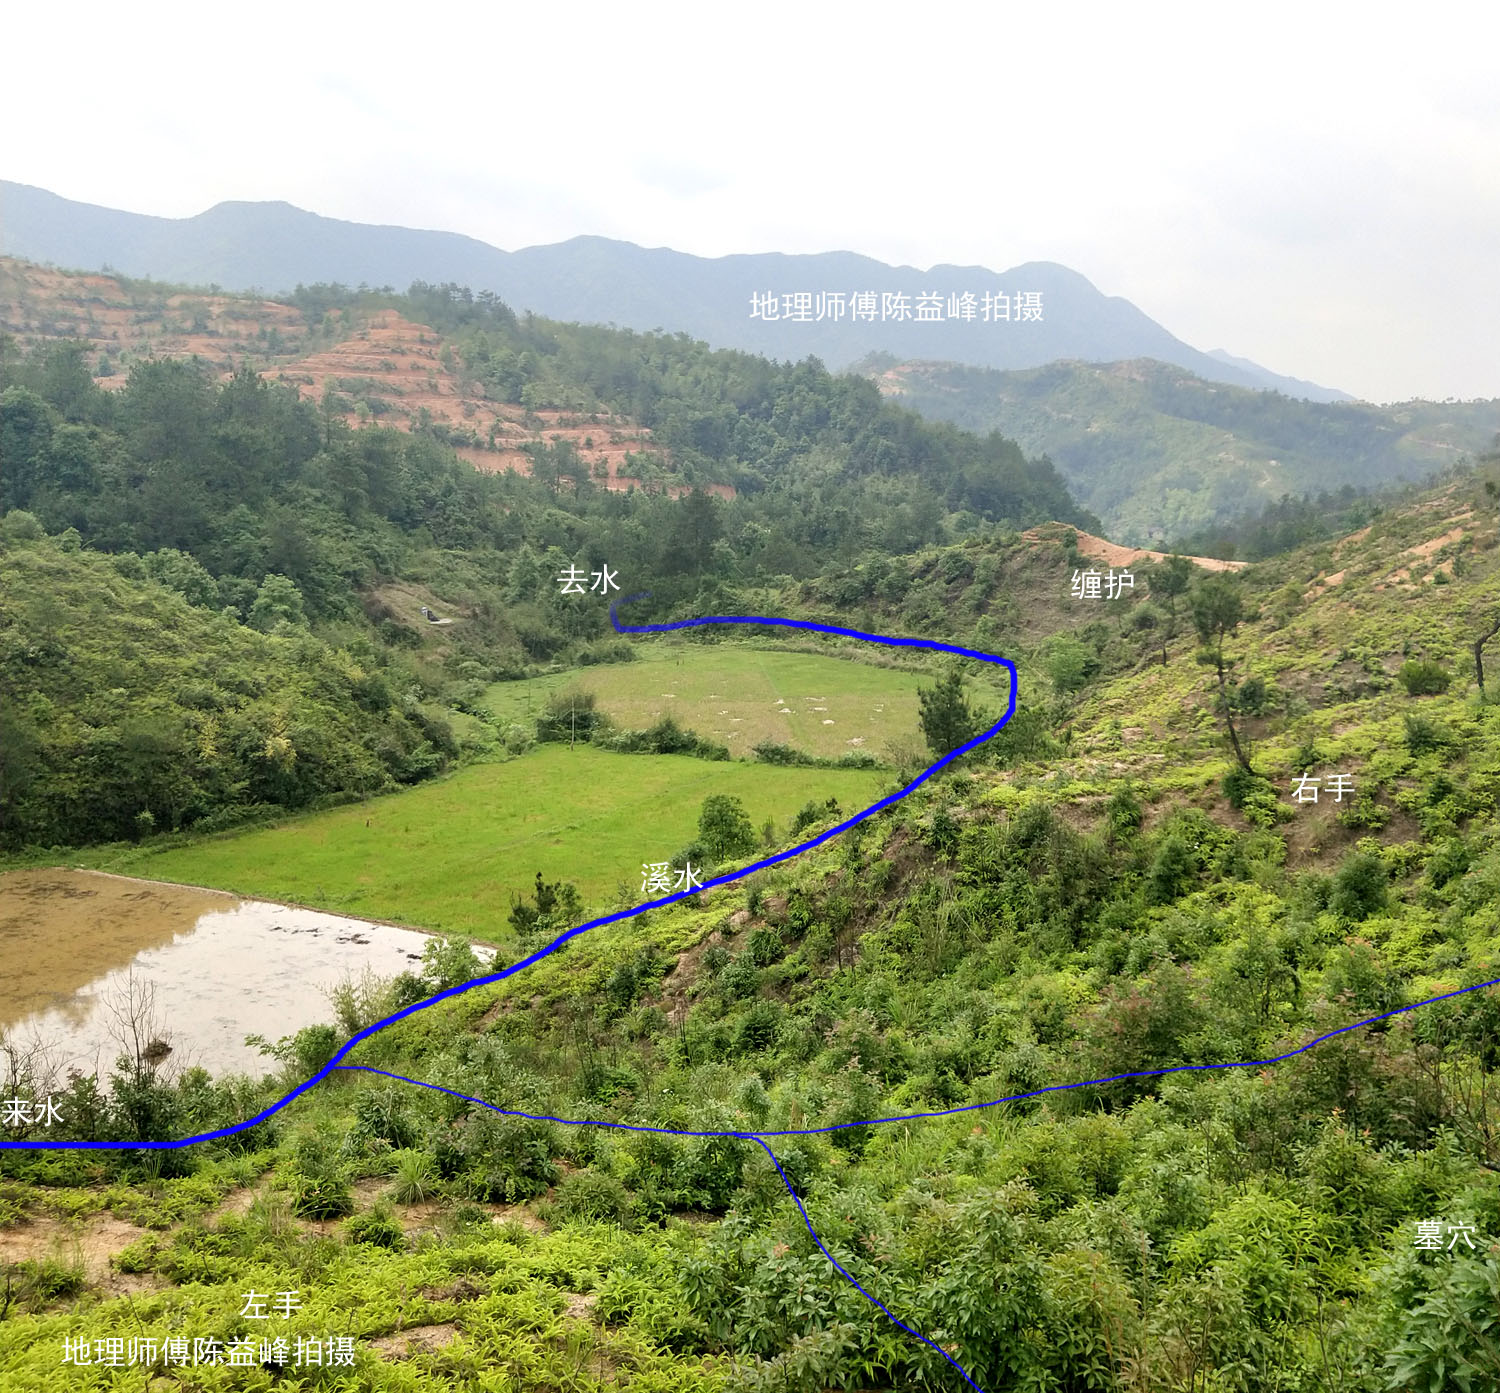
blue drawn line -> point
(619, 915)
(336, 1063)
(759, 1138)
(966, 1107)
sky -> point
(1315, 187)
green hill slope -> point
(1158, 453)
(128, 710)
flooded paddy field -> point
(74, 944)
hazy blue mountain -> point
(1275, 382)
(273, 247)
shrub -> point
(1239, 783)
(449, 962)
(1423, 736)
(382, 1114)
(414, 1178)
(764, 947)
(1359, 887)
(1069, 665)
(377, 1227)
(1123, 813)
(724, 827)
(322, 1195)
(507, 1159)
(813, 812)
(588, 1194)
(46, 1279)
(769, 752)
(320, 1189)
(1173, 870)
(1252, 696)
(569, 716)
(740, 978)
(757, 1028)
(943, 836)
(1423, 677)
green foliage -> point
(811, 813)
(320, 1187)
(377, 1227)
(277, 602)
(1157, 451)
(947, 721)
(1447, 1337)
(1173, 870)
(1424, 736)
(570, 715)
(414, 1178)
(161, 708)
(1069, 665)
(450, 962)
(1359, 887)
(586, 1194)
(1423, 677)
(1221, 1229)
(1026, 736)
(1123, 813)
(554, 906)
(724, 827)
(1240, 785)
(505, 1160)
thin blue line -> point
(874, 1301)
(756, 1137)
(950, 1112)
(619, 915)
(759, 1137)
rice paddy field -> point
(740, 696)
(448, 855)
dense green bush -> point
(1423, 677)
(377, 1227)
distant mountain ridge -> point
(1158, 452)
(272, 247)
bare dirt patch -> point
(125, 323)
(93, 1242)
(501, 1214)
(420, 1339)
(1324, 583)
(1113, 554)
(1351, 539)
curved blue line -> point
(619, 915)
(848, 1277)
(756, 1137)
(759, 1137)
(946, 1112)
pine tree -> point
(947, 721)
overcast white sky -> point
(1316, 187)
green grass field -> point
(448, 855)
(739, 696)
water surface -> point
(218, 967)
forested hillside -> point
(311, 524)
(1159, 453)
